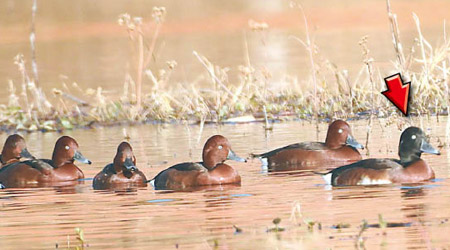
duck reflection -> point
(414, 207)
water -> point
(145, 218)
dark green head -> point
(413, 142)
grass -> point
(426, 66)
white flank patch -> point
(264, 161)
(327, 178)
(265, 165)
(367, 181)
(152, 182)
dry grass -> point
(29, 109)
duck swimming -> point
(339, 147)
(122, 172)
(37, 172)
(211, 171)
(409, 169)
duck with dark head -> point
(409, 169)
(211, 171)
(340, 148)
(44, 172)
(14, 149)
(122, 173)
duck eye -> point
(413, 137)
(340, 131)
(67, 147)
(220, 147)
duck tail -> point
(253, 155)
(260, 157)
(152, 182)
(327, 176)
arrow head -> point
(398, 92)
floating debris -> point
(341, 225)
(237, 230)
(276, 229)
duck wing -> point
(376, 164)
(109, 169)
(189, 166)
(160, 180)
(43, 165)
(363, 167)
(302, 145)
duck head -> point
(124, 161)
(340, 134)
(217, 150)
(14, 149)
(413, 142)
(66, 151)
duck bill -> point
(352, 142)
(129, 165)
(79, 157)
(234, 157)
(25, 154)
(427, 148)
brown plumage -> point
(122, 173)
(339, 148)
(212, 171)
(60, 168)
(14, 149)
(409, 169)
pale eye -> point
(340, 131)
(413, 137)
(220, 147)
(67, 147)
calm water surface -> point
(145, 218)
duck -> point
(122, 172)
(410, 168)
(211, 171)
(14, 149)
(40, 172)
(339, 148)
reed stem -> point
(33, 43)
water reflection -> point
(361, 192)
(414, 207)
(147, 218)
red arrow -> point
(398, 92)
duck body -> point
(38, 172)
(381, 171)
(211, 171)
(410, 168)
(122, 173)
(191, 174)
(109, 178)
(309, 155)
(338, 149)
(44, 172)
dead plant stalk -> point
(310, 48)
(368, 61)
